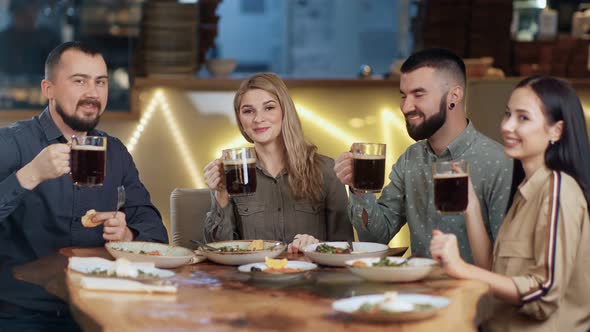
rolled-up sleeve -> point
(555, 250)
(220, 222)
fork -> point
(350, 246)
(120, 199)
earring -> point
(552, 142)
(451, 106)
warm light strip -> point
(160, 100)
(189, 163)
(399, 123)
(331, 129)
(145, 118)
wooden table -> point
(214, 297)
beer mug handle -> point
(74, 138)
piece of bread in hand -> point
(87, 219)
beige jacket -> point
(544, 246)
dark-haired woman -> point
(540, 263)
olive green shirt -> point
(272, 214)
(409, 197)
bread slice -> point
(87, 219)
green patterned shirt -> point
(409, 197)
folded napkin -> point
(120, 268)
(123, 285)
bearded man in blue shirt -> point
(40, 208)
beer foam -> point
(449, 175)
(239, 162)
(368, 157)
(89, 147)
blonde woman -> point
(298, 198)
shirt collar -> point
(265, 172)
(49, 128)
(457, 147)
(535, 183)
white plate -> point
(349, 306)
(263, 276)
(243, 257)
(88, 265)
(417, 268)
(361, 249)
(171, 256)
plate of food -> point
(392, 269)
(239, 252)
(162, 255)
(277, 269)
(337, 253)
(121, 268)
(391, 307)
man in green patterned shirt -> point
(432, 88)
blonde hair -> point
(303, 164)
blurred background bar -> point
(175, 65)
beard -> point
(430, 125)
(77, 123)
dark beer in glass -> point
(88, 158)
(368, 166)
(239, 167)
(451, 181)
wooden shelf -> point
(232, 84)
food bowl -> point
(162, 255)
(407, 270)
(353, 307)
(221, 67)
(359, 250)
(242, 255)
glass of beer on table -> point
(239, 167)
(368, 167)
(89, 159)
(451, 179)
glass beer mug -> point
(368, 167)
(451, 180)
(89, 159)
(239, 167)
